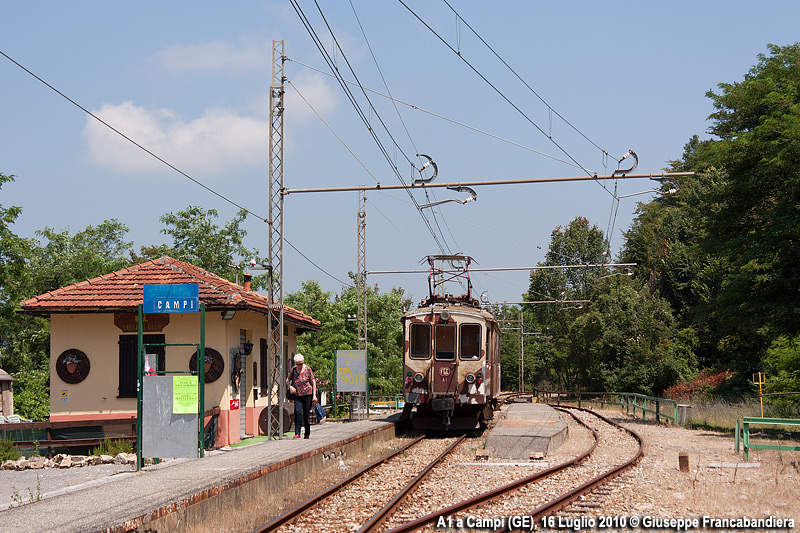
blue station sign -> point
(173, 298)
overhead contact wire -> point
(331, 64)
(497, 90)
(453, 121)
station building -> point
(94, 340)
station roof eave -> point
(121, 291)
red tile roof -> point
(123, 290)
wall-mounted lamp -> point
(228, 314)
(247, 348)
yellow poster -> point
(184, 395)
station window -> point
(470, 341)
(445, 342)
(420, 340)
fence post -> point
(746, 440)
(736, 436)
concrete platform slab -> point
(526, 430)
(188, 494)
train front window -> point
(420, 337)
(445, 342)
(470, 341)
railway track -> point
(389, 495)
(363, 500)
(530, 498)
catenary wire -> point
(316, 265)
(442, 117)
(209, 189)
(400, 117)
(496, 89)
(331, 130)
(460, 18)
(396, 226)
(351, 97)
(115, 130)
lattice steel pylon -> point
(275, 357)
(361, 277)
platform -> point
(183, 494)
(525, 431)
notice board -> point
(351, 370)
(169, 417)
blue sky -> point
(190, 81)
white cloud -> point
(215, 56)
(216, 143)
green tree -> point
(579, 243)
(53, 260)
(627, 341)
(665, 241)
(338, 332)
(782, 370)
(755, 230)
(198, 240)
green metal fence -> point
(632, 403)
(744, 431)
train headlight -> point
(470, 379)
(479, 378)
(418, 377)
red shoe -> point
(297, 436)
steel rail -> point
(380, 517)
(562, 501)
(300, 509)
(488, 496)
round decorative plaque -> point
(72, 366)
(215, 365)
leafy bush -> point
(7, 450)
(702, 385)
(110, 447)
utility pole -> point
(361, 276)
(521, 354)
(277, 384)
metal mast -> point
(277, 384)
(521, 354)
(361, 277)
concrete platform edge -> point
(196, 508)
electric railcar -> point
(451, 355)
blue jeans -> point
(302, 410)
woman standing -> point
(303, 386)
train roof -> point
(427, 308)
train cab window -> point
(470, 341)
(445, 342)
(420, 337)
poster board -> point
(170, 418)
(351, 370)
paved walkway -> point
(99, 497)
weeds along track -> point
(486, 495)
(365, 496)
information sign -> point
(351, 370)
(184, 395)
(171, 298)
